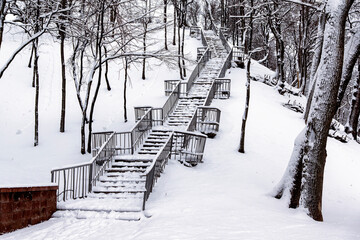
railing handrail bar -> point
(176, 88)
(87, 163)
(170, 80)
(209, 92)
(208, 107)
(203, 55)
(192, 118)
(191, 133)
(197, 66)
(142, 106)
(203, 35)
(147, 112)
(225, 62)
(105, 132)
(173, 90)
(221, 35)
(102, 167)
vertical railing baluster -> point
(73, 182)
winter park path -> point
(125, 165)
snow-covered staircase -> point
(186, 106)
(119, 192)
(154, 141)
(125, 179)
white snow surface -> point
(226, 197)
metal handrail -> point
(140, 111)
(205, 120)
(224, 41)
(201, 62)
(76, 181)
(169, 86)
(211, 94)
(98, 139)
(140, 129)
(198, 68)
(229, 49)
(226, 65)
(153, 172)
(203, 38)
(171, 101)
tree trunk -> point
(34, 74)
(179, 53)
(315, 63)
(165, 24)
(144, 48)
(353, 119)
(81, 70)
(99, 47)
(125, 83)
(63, 72)
(182, 51)
(275, 26)
(82, 132)
(106, 71)
(37, 92)
(248, 80)
(222, 17)
(247, 102)
(309, 153)
(36, 71)
(30, 59)
(352, 55)
(2, 19)
(174, 27)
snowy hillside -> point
(227, 196)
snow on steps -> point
(107, 208)
(85, 214)
(154, 141)
(119, 193)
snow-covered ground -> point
(226, 197)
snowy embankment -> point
(227, 196)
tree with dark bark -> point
(248, 78)
(61, 26)
(352, 122)
(165, 24)
(302, 183)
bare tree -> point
(302, 183)
(248, 78)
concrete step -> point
(123, 181)
(107, 190)
(125, 169)
(131, 164)
(91, 214)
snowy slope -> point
(227, 196)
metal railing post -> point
(132, 143)
(90, 177)
(64, 197)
